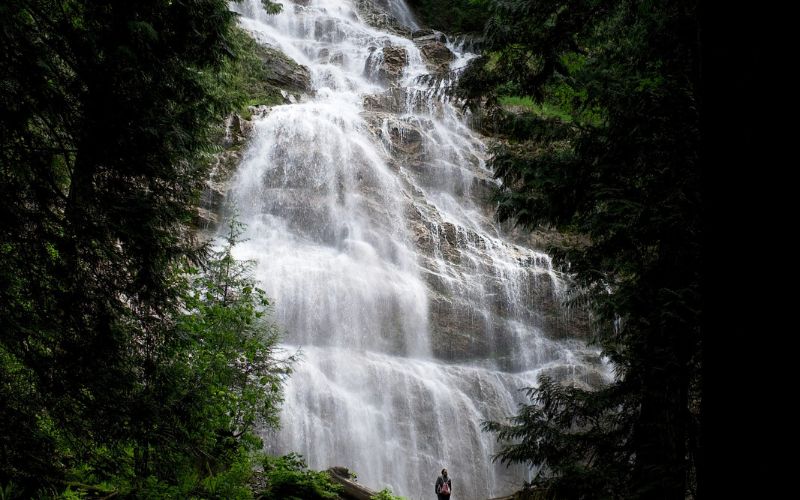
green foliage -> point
(544, 110)
(217, 377)
(272, 7)
(246, 76)
(386, 494)
(452, 16)
(288, 478)
(232, 482)
(569, 432)
(232, 345)
(9, 491)
(618, 173)
(115, 363)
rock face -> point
(476, 309)
(292, 82)
(235, 133)
(375, 13)
(432, 46)
(423, 35)
(437, 55)
(385, 65)
(283, 72)
(389, 101)
(404, 138)
(430, 42)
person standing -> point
(443, 486)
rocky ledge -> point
(378, 16)
(432, 46)
(283, 72)
(386, 65)
(276, 79)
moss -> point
(250, 74)
(255, 75)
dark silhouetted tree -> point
(621, 175)
(106, 112)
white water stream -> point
(416, 315)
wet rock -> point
(326, 30)
(453, 331)
(204, 219)
(404, 138)
(289, 98)
(390, 101)
(424, 36)
(437, 56)
(431, 44)
(408, 100)
(237, 130)
(378, 17)
(394, 59)
(213, 195)
(236, 133)
(337, 59)
(258, 111)
(386, 65)
(474, 304)
(421, 236)
(324, 55)
(583, 377)
(283, 72)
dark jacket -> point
(439, 483)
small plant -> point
(288, 478)
(8, 491)
(386, 494)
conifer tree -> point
(607, 154)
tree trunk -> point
(352, 490)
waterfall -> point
(366, 207)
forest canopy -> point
(605, 150)
(137, 360)
(132, 357)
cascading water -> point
(417, 316)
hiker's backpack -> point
(445, 490)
